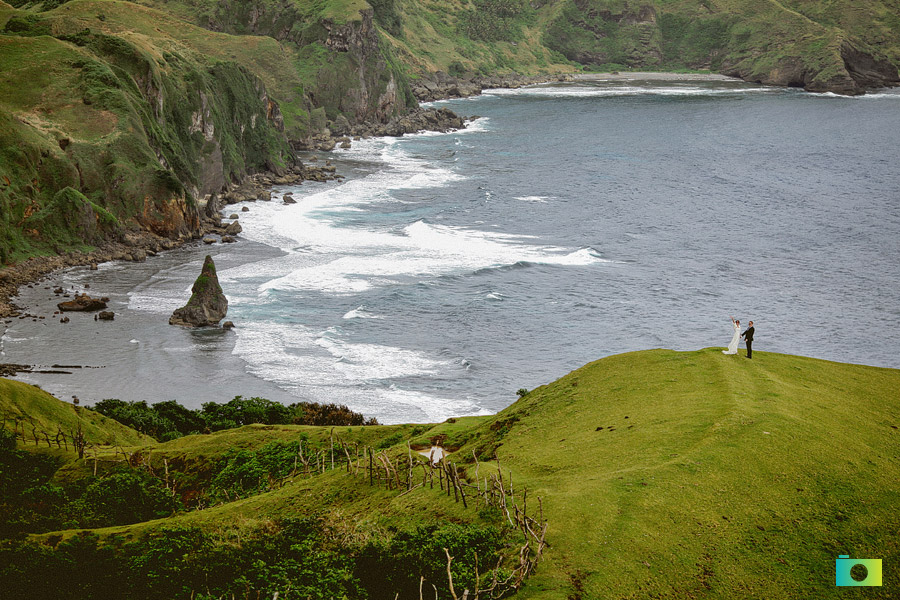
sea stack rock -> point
(207, 305)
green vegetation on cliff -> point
(143, 108)
(107, 122)
(660, 474)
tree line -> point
(169, 420)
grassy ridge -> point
(662, 474)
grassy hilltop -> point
(660, 474)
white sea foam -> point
(867, 96)
(323, 255)
(158, 302)
(364, 259)
(360, 312)
(401, 402)
(326, 368)
(540, 199)
(372, 362)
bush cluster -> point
(293, 557)
(30, 501)
(170, 420)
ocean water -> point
(567, 223)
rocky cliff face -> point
(351, 72)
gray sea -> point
(569, 222)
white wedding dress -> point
(732, 347)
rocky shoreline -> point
(439, 86)
(137, 246)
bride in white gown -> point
(733, 346)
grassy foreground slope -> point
(661, 474)
(699, 475)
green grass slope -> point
(699, 475)
(661, 474)
(32, 411)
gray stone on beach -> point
(233, 228)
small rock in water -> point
(209, 240)
(228, 325)
(245, 209)
(83, 303)
(234, 215)
(107, 315)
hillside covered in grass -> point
(654, 474)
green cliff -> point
(119, 116)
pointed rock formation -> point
(208, 305)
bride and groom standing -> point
(747, 335)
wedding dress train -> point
(733, 346)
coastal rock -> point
(207, 305)
(233, 228)
(234, 215)
(288, 199)
(209, 240)
(227, 239)
(228, 325)
(244, 209)
(83, 303)
(106, 315)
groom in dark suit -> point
(748, 337)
